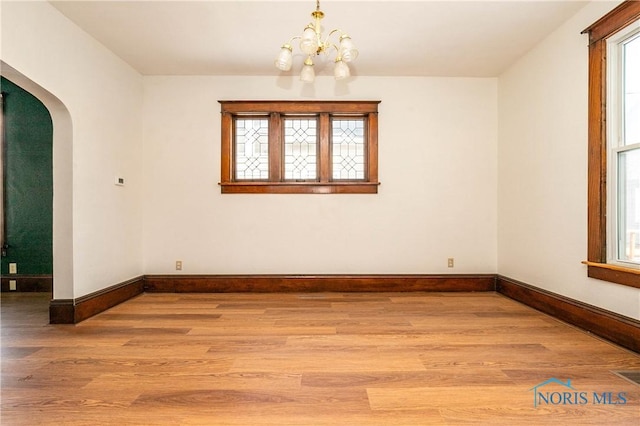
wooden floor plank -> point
(306, 359)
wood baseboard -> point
(72, 311)
(316, 283)
(61, 311)
(27, 283)
(616, 328)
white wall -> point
(542, 163)
(440, 196)
(437, 149)
(103, 97)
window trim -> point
(276, 183)
(597, 266)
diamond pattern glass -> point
(300, 149)
(348, 149)
(252, 148)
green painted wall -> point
(28, 182)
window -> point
(614, 146)
(623, 145)
(299, 147)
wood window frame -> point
(597, 266)
(276, 184)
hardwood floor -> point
(317, 358)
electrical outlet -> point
(450, 262)
(178, 265)
(13, 268)
(13, 285)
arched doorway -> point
(27, 191)
(62, 182)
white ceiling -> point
(404, 38)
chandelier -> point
(313, 44)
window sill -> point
(613, 273)
(299, 187)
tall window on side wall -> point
(623, 136)
(614, 146)
(299, 147)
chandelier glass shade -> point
(313, 44)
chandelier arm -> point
(328, 44)
(338, 57)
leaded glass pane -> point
(348, 149)
(632, 91)
(629, 205)
(252, 148)
(300, 148)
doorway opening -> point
(26, 204)
(61, 171)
